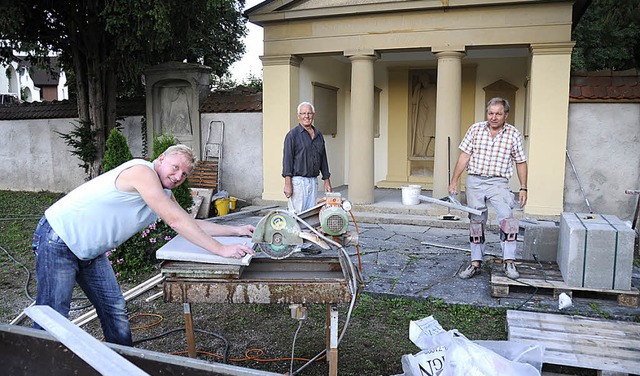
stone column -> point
(280, 94)
(448, 115)
(548, 119)
(361, 163)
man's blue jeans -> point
(57, 271)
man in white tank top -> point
(72, 237)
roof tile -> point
(238, 100)
(605, 86)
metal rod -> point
(128, 295)
(446, 246)
(241, 213)
(449, 165)
(449, 205)
(573, 167)
(21, 316)
(634, 225)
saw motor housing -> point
(280, 233)
(334, 220)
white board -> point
(180, 249)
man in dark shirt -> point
(304, 159)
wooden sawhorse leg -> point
(332, 339)
(188, 323)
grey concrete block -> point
(595, 251)
(540, 239)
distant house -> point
(32, 83)
(51, 82)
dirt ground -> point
(258, 336)
(261, 332)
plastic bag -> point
(464, 357)
(220, 194)
(424, 363)
(524, 352)
(449, 353)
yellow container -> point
(222, 206)
(232, 203)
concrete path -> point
(410, 252)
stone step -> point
(409, 219)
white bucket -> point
(410, 194)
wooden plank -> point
(548, 277)
(605, 345)
(588, 345)
(554, 321)
(192, 270)
(205, 175)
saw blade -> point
(275, 251)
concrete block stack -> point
(540, 239)
(595, 251)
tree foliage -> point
(116, 152)
(105, 45)
(81, 141)
(150, 32)
(608, 36)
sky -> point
(250, 62)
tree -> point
(608, 36)
(106, 45)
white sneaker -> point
(509, 269)
(469, 272)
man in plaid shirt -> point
(488, 152)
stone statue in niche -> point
(176, 112)
(423, 117)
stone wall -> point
(603, 141)
(34, 157)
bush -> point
(116, 152)
(137, 255)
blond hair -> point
(184, 150)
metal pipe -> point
(450, 205)
(573, 167)
(446, 246)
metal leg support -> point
(191, 339)
(332, 339)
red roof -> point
(605, 86)
(65, 109)
(240, 99)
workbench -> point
(295, 280)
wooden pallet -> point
(609, 346)
(548, 277)
(205, 175)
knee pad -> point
(476, 232)
(509, 228)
